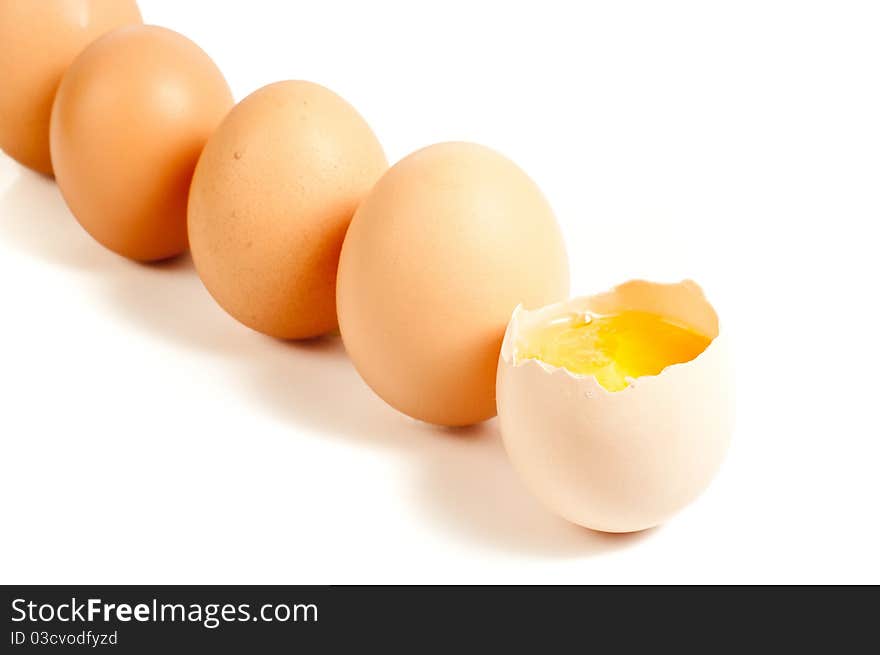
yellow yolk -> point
(614, 347)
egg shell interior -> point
(618, 461)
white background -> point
(148, 438)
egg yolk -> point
(614, 347)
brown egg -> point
(130, 119)
(39, 39)
(438, 255)
(272, 196)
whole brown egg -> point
(449, 241)
(38, 41)
(130, 119)
(271, 199)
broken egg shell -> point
(619, 461)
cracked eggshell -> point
(618, 461)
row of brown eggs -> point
(151, 157)
(296, 225)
